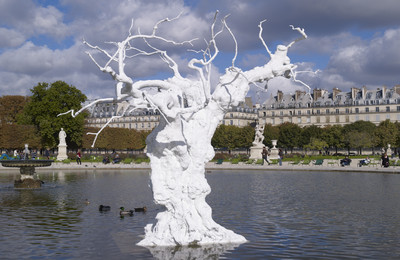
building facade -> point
(323, 108)
(144, 120)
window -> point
(367, 109)
(357, 110)
(378, 118)
(299, 112)
(327, 111)
(308, 112)
(318, 111)
(347, 110)
(264, 114)
(273, 113)
(337, 111)
(281, 113)
(327, 119)
(231, 122)
(299, 120)
(387, 109)
(308, 119)
(398, 108)
(376, 109)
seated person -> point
(366, 161)
(345, 161)
(106, 160)
(116, 159)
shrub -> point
(250, 161)
(235, 161)
(259, 161)
(67, 161)
(127, 160)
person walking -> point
(280, 154)
(78, 157)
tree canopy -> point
(46, 103)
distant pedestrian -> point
(78, 157)
(385, 160)
(280, 154)
(47, 154)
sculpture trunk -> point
(179, 151)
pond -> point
(285, 214)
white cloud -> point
(10, 38)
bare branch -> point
(101, 129)
(87, 106)
(301, 31)
(294, 74)
(261, 38)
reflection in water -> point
(293, 215)
(191, 252)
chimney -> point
(364, 92)
(383, 92)
(354, 92)
(317, 93)
(300, 93)
(335, 91)
(397, 89)
(280, 96)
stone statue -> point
(259, 136)
(62, 135)
(62, 146)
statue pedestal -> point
(255, 152)
(274, 152)
(62, 152)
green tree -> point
(358, 139)
(316, 144)
(333, 136)
(231, 137)
(244, 137)
(308, 133)
(270, 133)
(46, 102)
(386, 133)
(289, 135)
(364, 128)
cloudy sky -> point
(353, 43)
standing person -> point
(34, 154)
(280, 154)
(78, 157)
(385, 160)
(47, 153)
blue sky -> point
(353, 43)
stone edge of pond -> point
(224, 166)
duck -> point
(143, 209)
(104, 208)
(124, 212)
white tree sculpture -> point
(180, 146)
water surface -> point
(320, 215)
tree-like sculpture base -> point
(180, 146)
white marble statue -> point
(62, 135)
(259, 135)
(62, 146)
(180, 146)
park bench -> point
(319, 162)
